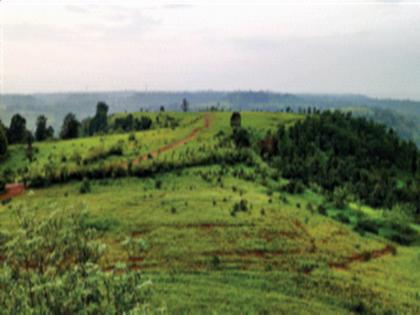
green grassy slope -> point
(278, 256)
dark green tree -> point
(3, 140)
(17, 130)
(162, 109)
(41, 132)
(235, 120)
(29, 148)
(99, 122)
(241, 137)
(50, 132)
(185, 106)
(70, 128)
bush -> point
(63, 275)
(401, 233)
(343, 218)
(99, 224)
(367, 225)
(241, 206)
(158, 184)
(322, 210)
(294, 187)
(85, 187)
(2, 186)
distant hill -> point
(405, 113)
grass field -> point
(277, 256)
(274, 254)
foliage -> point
(51, 266)
(70, 128)
(99, 123)
(85, 187)
(3, 140)
(235, 120)
(241, 137)
(17, 130)
(333, 149)
(43, 132)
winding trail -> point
(16, 189)
(363, 257)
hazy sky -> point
(368, 47)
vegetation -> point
(3, 140)
(272, 216)
(335, 150)
(51, 267)
(70, 128)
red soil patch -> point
(363, 257)
(12, 190)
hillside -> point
(57, 105)
(223, 221)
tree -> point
(235, 120)
(3, 140)
(29, 148)
(70, 128)
(185, 105)
(17, 130)
(50, 132)
(41, 132)
(99, 122)
(162, 109)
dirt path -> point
(363, 257)
(177, 143)
(14, 190)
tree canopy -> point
(17, 131)
(70, 128)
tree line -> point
(337, 151)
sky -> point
(360, 47)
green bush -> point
(294, 187)
(2, 186)
(85, 187)
(368, 225)
(51, 267)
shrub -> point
(294, 187)
(99, 224)
(322, 210)
(401, 233)
(215, 262)
(85, 186)
(342, 218)
(367, 225)
(158, 184)
(63, 276)
(2, 186)
(241, 206)
(132, 137)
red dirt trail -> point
(14, 190)
(177, 143)
(363, 257)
